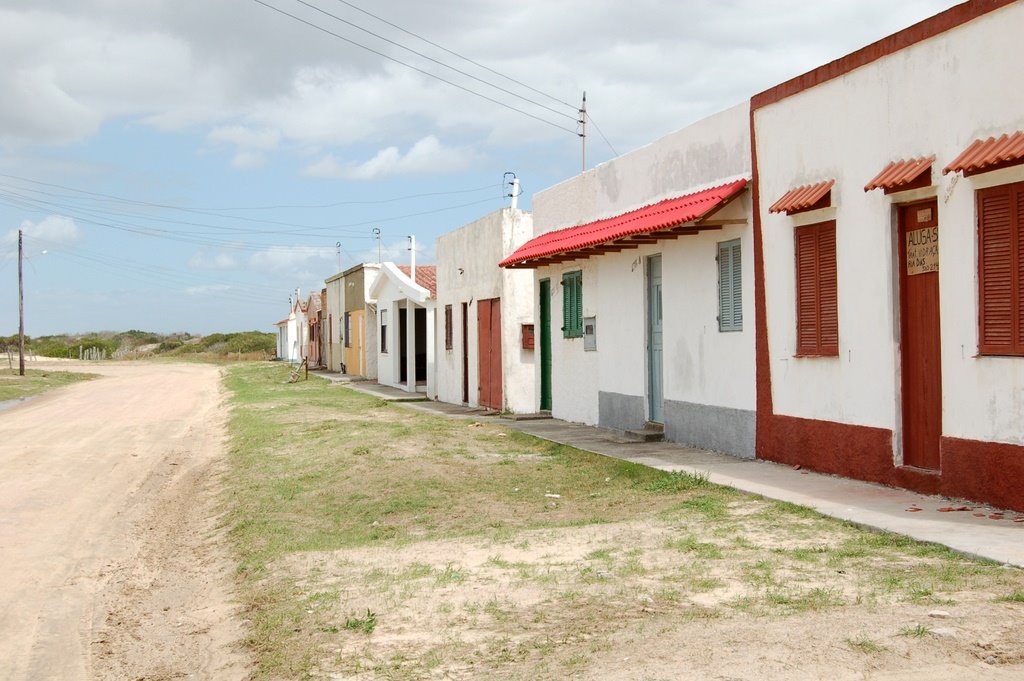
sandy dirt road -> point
(111, 562)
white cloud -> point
(53, 231)
(426, 156)
(218, 261)
(280, 259)
(261, 82)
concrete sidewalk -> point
(979, 531)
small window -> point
(730, 289)
(817, 299)
(572, 304)
(384, 331)
(348, 330)
(447, 327)
(1001, 270)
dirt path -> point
(111, 565)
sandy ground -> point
(111, 563)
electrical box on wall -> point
(590, 333)
(528, 341)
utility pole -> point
(338, 246)
(21, 307)
(376, 235)
(412, 258)
(583, 129)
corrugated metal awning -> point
(901, 174)
(666, 219)
(804, 197)
(991, 154)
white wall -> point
(476, 249)
(392, 290)
(706, 153)
(935, 97)
(701, 364)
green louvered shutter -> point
(572, 304)
(730, 286)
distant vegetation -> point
(134, 344)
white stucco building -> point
(405, 327)
(293, 332)
(645, 289)
(891, 212)
(482, 310)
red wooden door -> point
(919, 334)
(489, 350)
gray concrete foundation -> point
(620, 412)
(719, 429)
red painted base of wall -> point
(992, 472)
(851, 451)
(988, 472)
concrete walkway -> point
(979, 531)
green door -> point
(545, 344)
(655, 391)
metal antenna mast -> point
(583, 129)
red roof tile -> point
(426, 276)
(900, 174)
(802, 197)
(984, 155)
(665, 215)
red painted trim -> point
(859, 452)
(923, 30)
(992, 472)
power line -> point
(456, 54)
(429, 58)
(414, 68)
(590, 119)
(13, 198)
(197, 209)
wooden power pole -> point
(21, 307)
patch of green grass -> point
(36, 381)
(631, 567)
(705, 584)
(814, 599)
(600, 554)
(678, 481)
(690, 544)
(1015, 597)
(796, 510)
(759, 573)
(805, 555)
(712, 507)
(365, 624)
(865, 645)
(916, 631)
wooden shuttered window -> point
(817, 299)
(730, 286)
(1001, 270)
(572, 304)
(448, 327)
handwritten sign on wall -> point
(923, 250)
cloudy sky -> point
(184, 165)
